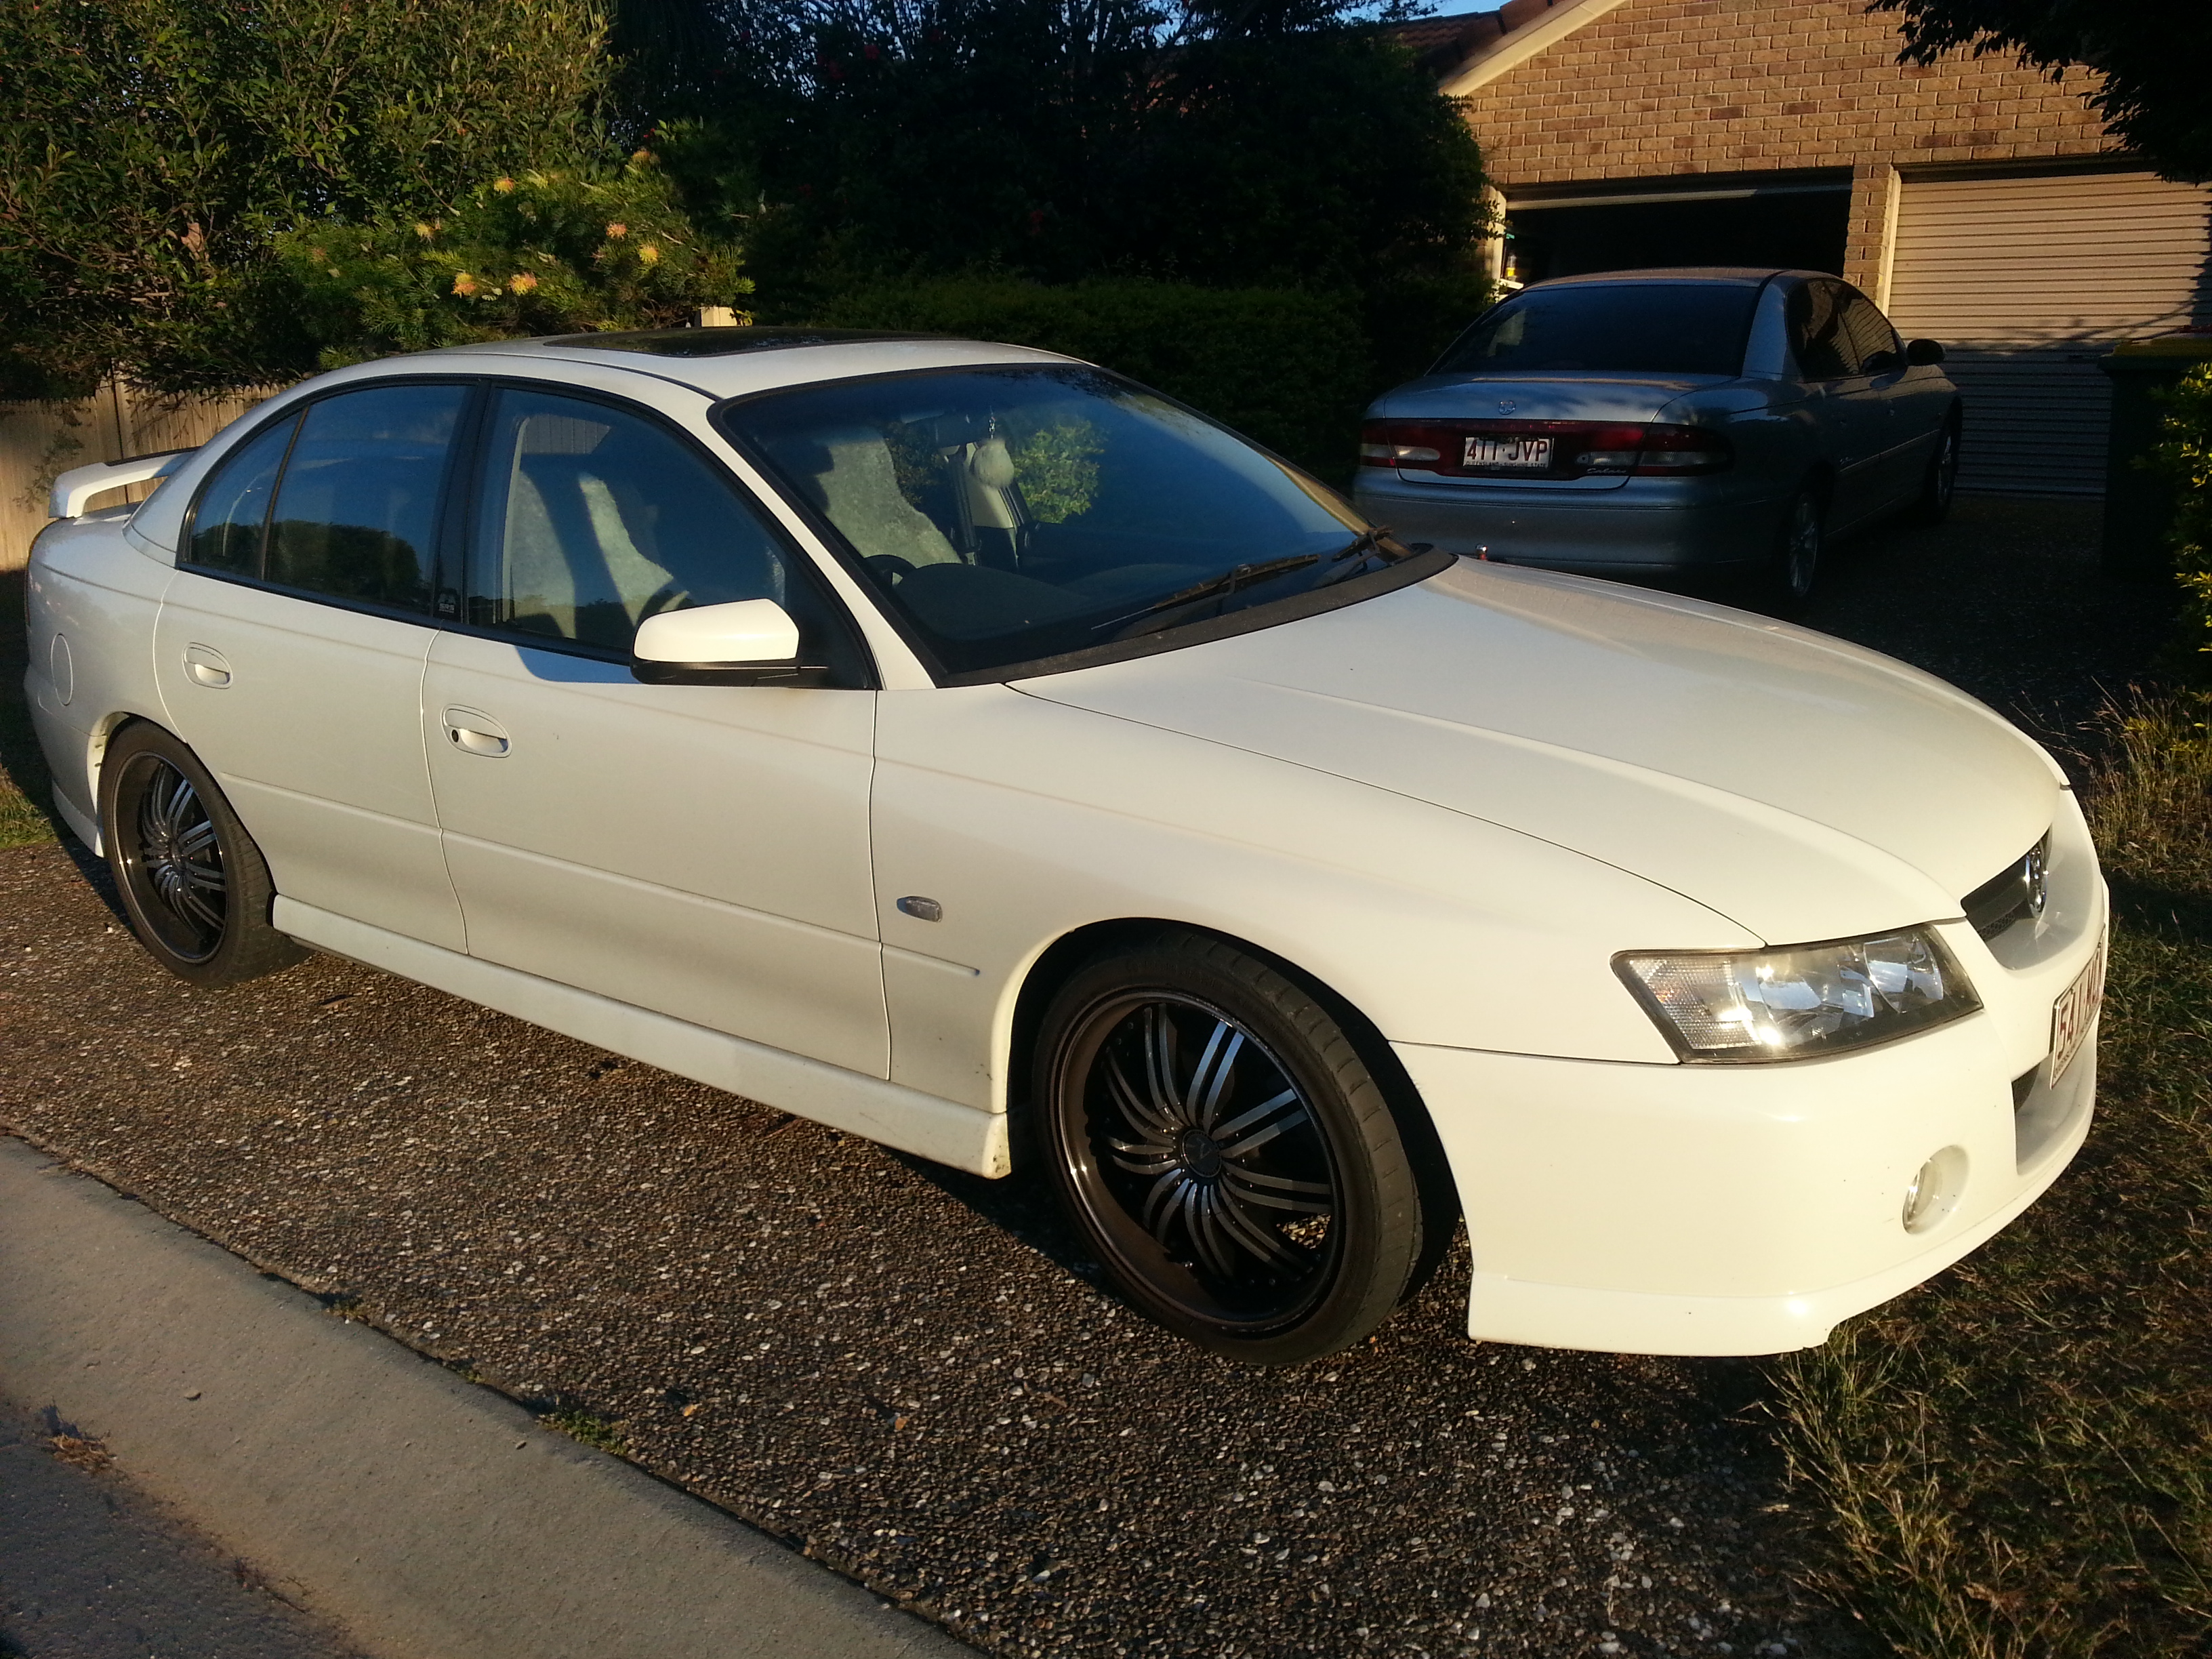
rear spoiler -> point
(80, 484)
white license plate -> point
(2075, 1014)
(1532, 453)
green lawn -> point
(2016, 1460)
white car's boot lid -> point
(1803, 787)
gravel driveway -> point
(908, 1372)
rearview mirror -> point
(1922, 353)
(744, 642)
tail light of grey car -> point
(1543, 449)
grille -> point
(2015, 894)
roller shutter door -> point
(2027, 282)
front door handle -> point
(475, 732)
(205, 666)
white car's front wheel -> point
(1214, 1135)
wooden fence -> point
(40, 441)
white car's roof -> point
(715, 363)
(729, 363)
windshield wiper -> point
(1369, 541)
(1221, 586)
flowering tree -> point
(551, 253)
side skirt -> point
(83, 825)
(942, 1131)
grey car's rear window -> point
(1619, 328)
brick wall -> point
(1660, 86)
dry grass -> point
(83, 1452)
(2016, 1460)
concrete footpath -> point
(425, 1517)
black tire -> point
(1800, 541)
(1941, 482)
(195, 887)
(1257, 1198)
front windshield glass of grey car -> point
(1015, 515)
(1610, 328)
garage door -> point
(2027, 280)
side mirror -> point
(1922, 353)
(745, 642)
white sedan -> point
(963, 747)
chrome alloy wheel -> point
(174, 862)
(1947, 471)
(1199, 1161)
(1802, 537)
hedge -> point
(2185, 457)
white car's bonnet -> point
(1803, 787)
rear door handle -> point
(205, 666)
(475, 732)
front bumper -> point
(1642, 528)
(1746, 1210)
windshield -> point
(1619, 328)
(1014, 514)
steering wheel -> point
(888, 568)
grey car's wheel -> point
(1941, 482)
(194, 886)
(1797, 548)
(1216, 1137)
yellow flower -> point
(504, 186)
(464, 284)
(641, 156)
(521, 283)
(617, 229)
(648, 255)
(422, 230)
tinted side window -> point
(1824, 350)
(590, 520)
(233, 509)
(357, 514)
(1871, 337)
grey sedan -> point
(1647, 423)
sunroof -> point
(725, 342)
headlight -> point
(1800, 1000)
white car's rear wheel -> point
(193, 884)
(1216, 1137)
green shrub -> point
(149, 149)
(543, 254)
(1288, 369)
(1410, 321)
(2185, 457)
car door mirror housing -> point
(744, 642)
(1923, 352)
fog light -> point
(1934, 1191)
